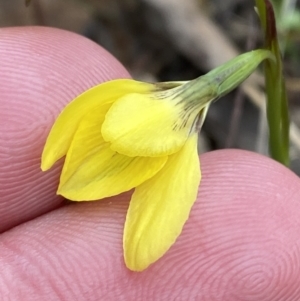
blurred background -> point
(164, 40)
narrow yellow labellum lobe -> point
(159, 208)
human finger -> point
(41, 70)
(241, 242)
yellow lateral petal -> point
(62, 132)
(146, 125)
(159, 208)
(93, 171)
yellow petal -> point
(159, 208)
(67, 122)
(93, 171)
(148, 125)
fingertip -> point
(242, 235)
(241, 241)
(42, 70)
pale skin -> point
(241, 241)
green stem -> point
(277, 106)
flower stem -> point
(277, 105)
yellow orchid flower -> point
(126, 134)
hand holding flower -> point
(241, 240)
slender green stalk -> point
(277, 106)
